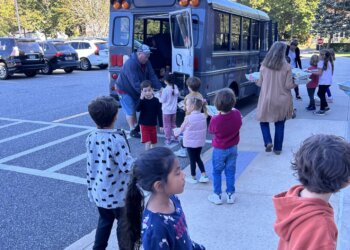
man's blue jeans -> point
(279, 134)
(224, 160)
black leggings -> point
(195, 157)
(322, 89)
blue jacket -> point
(131, 76)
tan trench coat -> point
(275, 99)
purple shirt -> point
(225, 128)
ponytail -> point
(170, 79)
(134, 207)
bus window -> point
(246, 34)
(255, 35)
(221, 31)
(195, 28)
(265, 32)
(138, 30)
(235, 32)
(153, 28)
(121, 31)
(181, 33)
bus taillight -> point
(117, 5)
(115, 77)
(194, 3)
(117, 60)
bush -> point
(338, 47)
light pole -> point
(18, 21)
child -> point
(225, 129)
(168, 99)
(193, 85)
(150, 109)
(160, 222)
(312, 84)
(325, 72)
(329, 94)
(305, 219)
(194, 129)
(109, 166)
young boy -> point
(193, 85)
(305, 219)
(150, 110)
(109, 165)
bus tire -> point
(235, 88)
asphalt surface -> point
(43, 126)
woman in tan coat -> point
(275, 99)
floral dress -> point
(167, 231)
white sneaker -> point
(215, 198)
(191, 180)
(181, 153)
(230, 198)
(204, 179)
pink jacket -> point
(194, 129)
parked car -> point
(59, 55)
(91, 52)
(19, 55)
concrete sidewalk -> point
(248, 224)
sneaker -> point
(277, 152)
(327, 109)
(215, 198)
(298, 98)
(294, 114)
(310, 108)
(181, 153)
(320, 112)
(135, 134)
(204, 179)
(191, 180)
(230, 198)
(330, 99)
(167, 142)
(268, 147)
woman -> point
(275, 99)
(293, 52)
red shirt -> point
(225, 128)
(314, 79)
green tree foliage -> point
(8, 22)
(294, 17)
(331, 18)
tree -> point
(331, 18)
(8, 22)
(294, 17)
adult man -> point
(134, 71)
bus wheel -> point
(234, 87)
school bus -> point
(218, 41)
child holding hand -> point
(313, 83)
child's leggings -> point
(328, 91)
(195, 157)
(169, 122)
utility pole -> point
(18, 21)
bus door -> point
(182, 42)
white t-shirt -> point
(292, 57)
(327, 77)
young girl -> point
(194, 129)
(329, 94)
(160, 223)
(325, 72)
(225, 128)
(150, 111)
(313, 83)
(168, 99)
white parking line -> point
(41, 173)
(10, 124)
(28, 133)
(47, 123)
(66, 163)
(71, 117)
(32, 150)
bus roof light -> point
(117, 5)
(194, 3)
(183, 3)
(125, 5)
